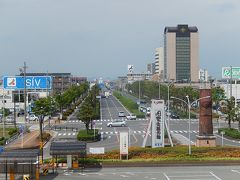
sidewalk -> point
(181, 139)
(29, 140)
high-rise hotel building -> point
(181, 53)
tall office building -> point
(159, 62)
(181, 53)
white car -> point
(10, 119)
(121, 114)
(131, 117)
(117, 123)
(148, 112)
(32, 117)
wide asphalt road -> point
(136, 128)
(152, 173)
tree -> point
(43, 107)
(218, 94)
(230, 110)
(86, 114)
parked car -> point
(20, 113)
(131, 117)
(174, 115)
(10, 119)
(117, 123)
(121, 114)
(32, 117)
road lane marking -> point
(215, 176)
(116, 134)
(236, 171)
(166, 176)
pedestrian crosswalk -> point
(74, 121)
(118, 132)
(144, 132)
(108, 120)
(66, 134)
(139, 119)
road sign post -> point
(222, 133)
(231, 72)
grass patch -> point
(90, 135)
(165, 155)
(129, 104)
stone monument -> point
(205, 137)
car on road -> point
(20, 113)
(131, 117)
(174, 115)
(10, 119)
(148, 112)
(117, 123)
(121, 114)
(32, 117)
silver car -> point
(117, 123)
(10, 119)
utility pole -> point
(25, 92)
(231, 83)
(23, 71)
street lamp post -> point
(189, 125)
(159, 86)
(139, 90)
(169, 84)
(168, 109)
(189, 116)
(41, 134)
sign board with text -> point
(96, 150)
(231, 72)
(123, 143)
(157, 118)
(31, 82)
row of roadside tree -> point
(150, 90)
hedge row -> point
(90, 135)
(230, 132)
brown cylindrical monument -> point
(205, 137)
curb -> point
(168, 164)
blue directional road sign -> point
(1, 149)
(32, 82)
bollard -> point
(26, 177)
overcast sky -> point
(99, 38)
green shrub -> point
(2, 138)
(64, 117)
(83, 135)
(45, 136)
(12, 131)
(233, 133)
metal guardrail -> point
(11, 139)
(15, 137)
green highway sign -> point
(228, 72)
